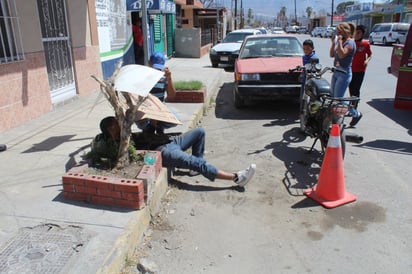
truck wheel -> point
(384, 41)
(239, 102)
(215, 65)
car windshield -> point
(235, 37)
(271, 47)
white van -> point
(389, 33)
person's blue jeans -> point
(339, 84)
(174, 155)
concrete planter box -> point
(112, 191)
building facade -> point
(48, 50)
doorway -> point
(57, 50)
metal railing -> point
(11, 46)
(207, 36)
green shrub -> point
(188, 85)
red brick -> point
(67, 187)
(102, 200)
(86, 190)
(133, 196)
(189, 96)
(101, 182)
(147, 173)
(129, 185)
(76, 196)
(158, 163)
(74, 178)
(109, 193)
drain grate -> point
(42, 249)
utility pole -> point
(331, 15)
(145, 33)
(296, 18)
(241, 14)
(235, 14)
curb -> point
(133, 234)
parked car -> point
(291, 29)
(303, 30)
(316, 32)
(328, 32)
(263, 30)
(226, 51)
(277, 30)
(389, 33)
(262, 68)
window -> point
(11, 49)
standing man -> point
(138, 42)
(360, 60)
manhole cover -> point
(41, 249)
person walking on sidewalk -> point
(360, 61)
(173, 151)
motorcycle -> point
(319, 109)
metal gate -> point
(56, 43)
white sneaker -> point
(244, 176)
(193, 173)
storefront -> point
(161, 23)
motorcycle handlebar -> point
(338, 70)
(296, 68)
(325, 69)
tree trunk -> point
(125, 109)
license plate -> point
(224, 58)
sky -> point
(272, 7)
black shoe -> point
(3, 147)
(355, 120)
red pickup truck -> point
(401, 67)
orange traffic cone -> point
(330, 190)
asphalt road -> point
(271, 227)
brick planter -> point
(112, 191)
(189, 96)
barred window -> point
(11, 48)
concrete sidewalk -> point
(40, 231)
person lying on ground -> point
(173, 150)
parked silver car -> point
(317, 32)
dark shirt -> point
(160, 88)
